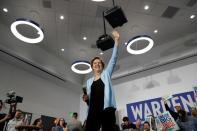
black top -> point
(175, 115)
(97, 96)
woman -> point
(63, 124)
(38, 123)
(57, 126)
(100, 96)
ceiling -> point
(176, 37)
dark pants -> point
(105, 119)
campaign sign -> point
(195, 95)
(195, 91)
(168, 121)
(140, 110)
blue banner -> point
(195, 92)
(140, 110)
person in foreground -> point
(127, 124)
(100, 95)
(74, 124)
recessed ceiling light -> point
(192, 16)
(61, 17)
(101, 53)
(98, 0)
(140, 38)
(5, 9)
(30, 23)
(74, 69)
(84, 38)
(62, 49)
(155, 31)
(146, 7)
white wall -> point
(83, 109)
(40, 96)
(136, 90)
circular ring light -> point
(30, 23)
(74, 69)
(138, 38)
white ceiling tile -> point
(176, 3)
(90, 9)
(81, 19)
(76, 7)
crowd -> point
(185, 121)
(16, 121)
